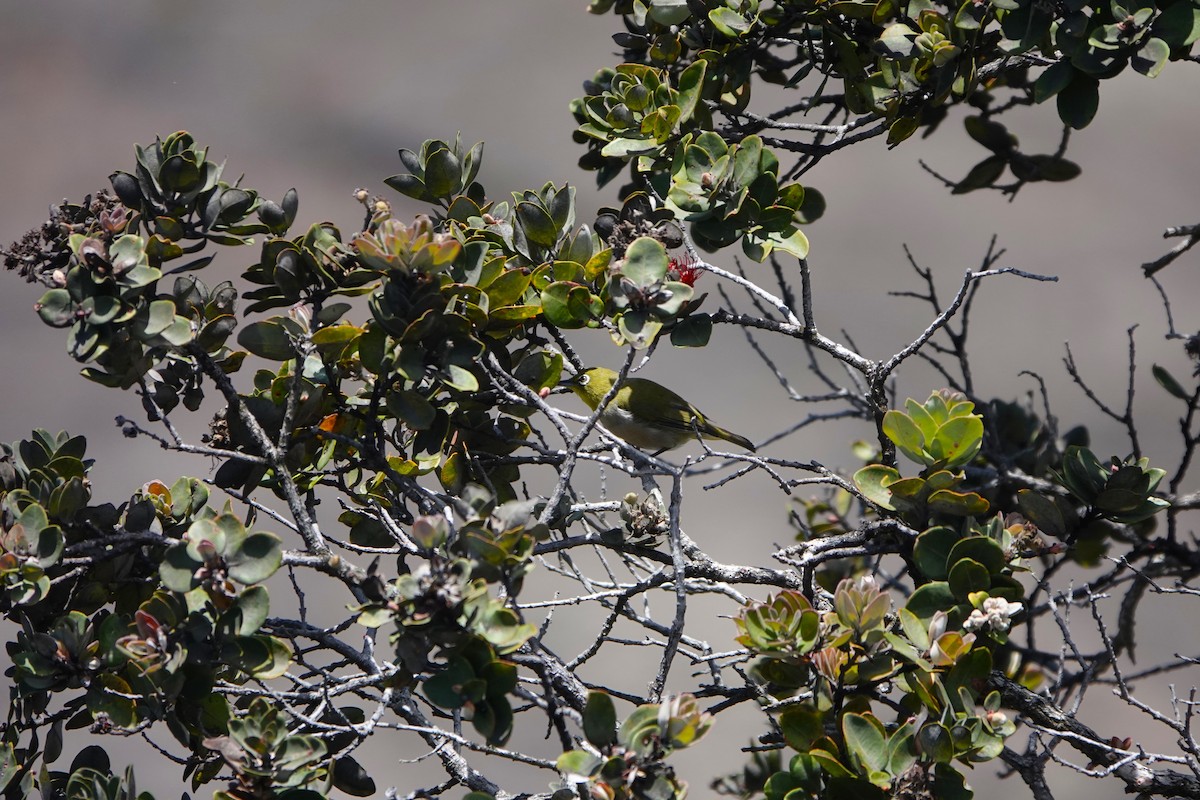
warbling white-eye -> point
(646, 414)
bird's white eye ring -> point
(583, 379)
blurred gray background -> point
(320, 95)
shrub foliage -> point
(400, 456)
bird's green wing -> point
(656, 404)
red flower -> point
(683, 269)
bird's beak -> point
(568, 381)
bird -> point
(646, 414)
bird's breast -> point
(641, 434)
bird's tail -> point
(714, 432)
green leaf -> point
(873, 481)
(179, 173)
(1148, 508)
(9, 765)
(830, 763)
(958, 441)
(934, 740)
(267, 339)
(1179, 25)
(897, 41)
(900, 751)
(914, 629)
(274, 661)
(54, 742)
(129, 262)
(1043, 512)
(661, 123)
(371, 347)
(578, 764)
(949, 784)
(471, 163)
(968, 16)
(646, 262)
(539, 369)
(350, 777)
(1078, 101)
(508, 288)
(728, 21)
(931, 551)
(639, 730)
(885, 10)
(462, 208)
(901, 129)
(967, 576)
(460, 378)
(501, 677)
(332, 340)
(445, 688)
(929, 599)
(904, 433)
(691, 80)
(922, 417)
(866, 740)
(981, 549)
(675, 295)
(408, 185)
(1151, 57)
(1053, 80)
(693, 331)
(375, 617)
(557, 306)
(536, 222)
(584, 305)
(511, 315)
(1168, 382)
(178, 333)
(624, 148)
(255, 605)
(638, 328)
(56, 308)
(411, 407)
(260, 555)
(110, 695)
(1082, 474)
(442, 173)
(908, 494)
(801, 726)
(746, 157)
(216, 331)
(669, 12)
(791, 240)
(812, 204)
(959, 504)
(756, 247)
(177, 569)
(600, 720)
